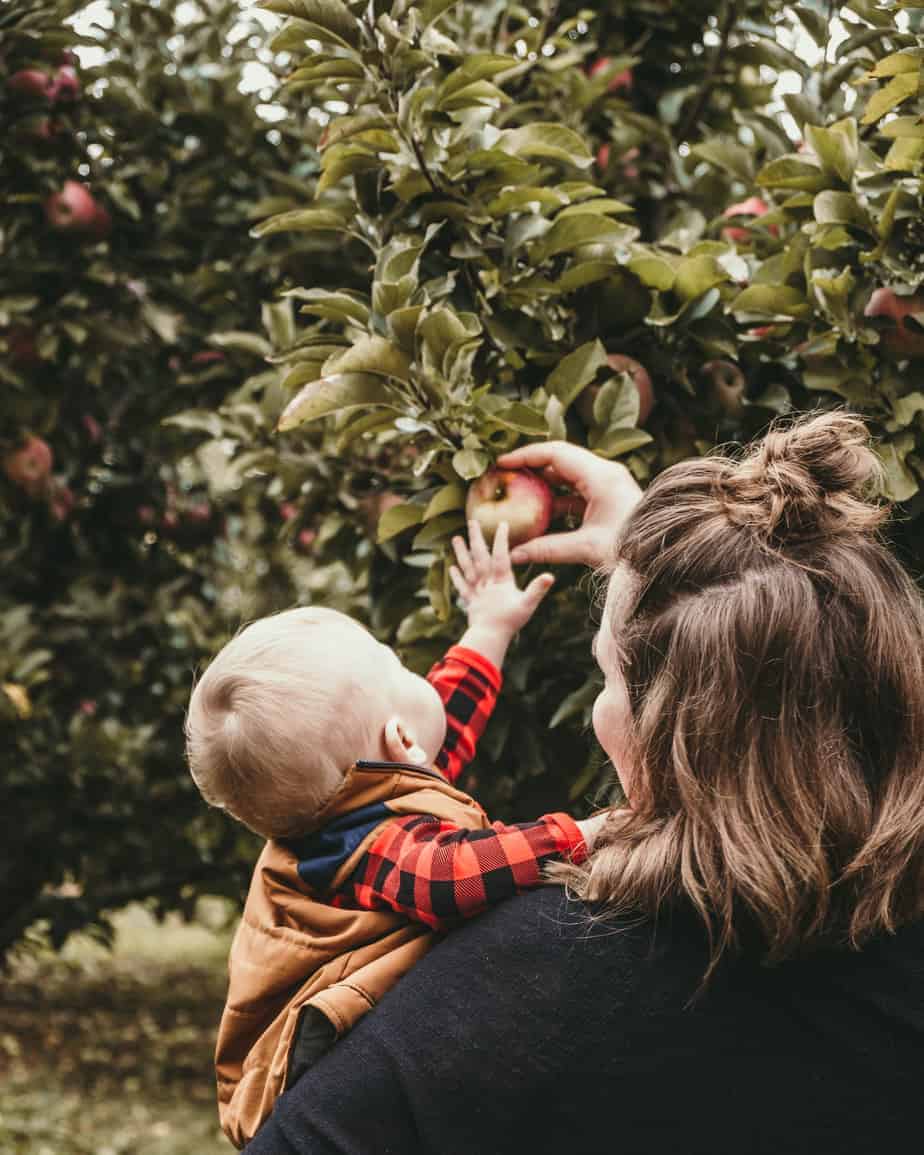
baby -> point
(313, 734)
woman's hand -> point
(486, 584)
(608, 489)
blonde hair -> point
(275, 721)
(773, 652)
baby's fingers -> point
(500, 554)
(480, 556)
(464, 558)
(463, 589)
(536, 591)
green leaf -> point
(246, 342)
(697, 275)
(652, 270)
(198, 421)
(567, 235)
(371, 355)
(513, 200)
(522, 418)
(575, 371)
(330, 20)
(301, 221)
(438, 530)
(787, 172)
(729, 155)
(332, 394)
(898, 90)
(771, 301)
(446, 499)
(480, 66)
(615, 442)
(841, 208)
(901, 483)
(897, 63)
(577, 701)
(340, 306)
(397, 519)
(552, 141)
(470, 463)
(836, 147)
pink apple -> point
(32, 82)
(752, 207)
(61, 500)
(620, 363)
(305, 540)
(207, 357)
(29, 466)
(518, 496)
(288, 510)
(899, 340)
(622, 80)
(727, 386)
(603, 156)
(65, 86)
(75, 210)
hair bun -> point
(816, 477)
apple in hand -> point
(518, 496)
(621, 363)
(752, 207)
(900, 340)
(30, 466)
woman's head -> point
(764, 656)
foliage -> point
(462, 210)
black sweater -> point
(532, 1031)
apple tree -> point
(645, 228)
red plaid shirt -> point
(435, 872)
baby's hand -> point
(487, 586)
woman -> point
(740, 964)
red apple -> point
(75, 210)
(305, 540)
(622, 80)
(88, 707)
(620, 363)
(603, 156)
(288, 510)
(727, 385)
(32, 82)
(207, 357)
(752, 207)
(518, 496)
(899, 340)
(65, 86)
(30, 465)
(61, 500)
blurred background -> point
(418, 234)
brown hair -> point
(773, 651)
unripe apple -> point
(622, 81)
(727, 386)
(518, 496)
(32, 82)
(899, 341)
(65, 85)
(29, 466)
(752, 207)
(620, 363)
(75, 210)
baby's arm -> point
(439, 874)
(468, 679)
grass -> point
(105, 1053)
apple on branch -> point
(898, 340)
(75, 210)
(29, 466)
(518, 496)
(32, 82)
(620, 82)
(752, 207)
(620, 363)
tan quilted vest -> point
(291, 949)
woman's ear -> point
(400, 743)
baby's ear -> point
(400, 743)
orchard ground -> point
(111, 1053)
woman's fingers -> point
(559, 462)
(553, 549)
(463, 557)
(479, 550)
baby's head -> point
(289, 704)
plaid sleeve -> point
(468, 684)
(438, 874)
